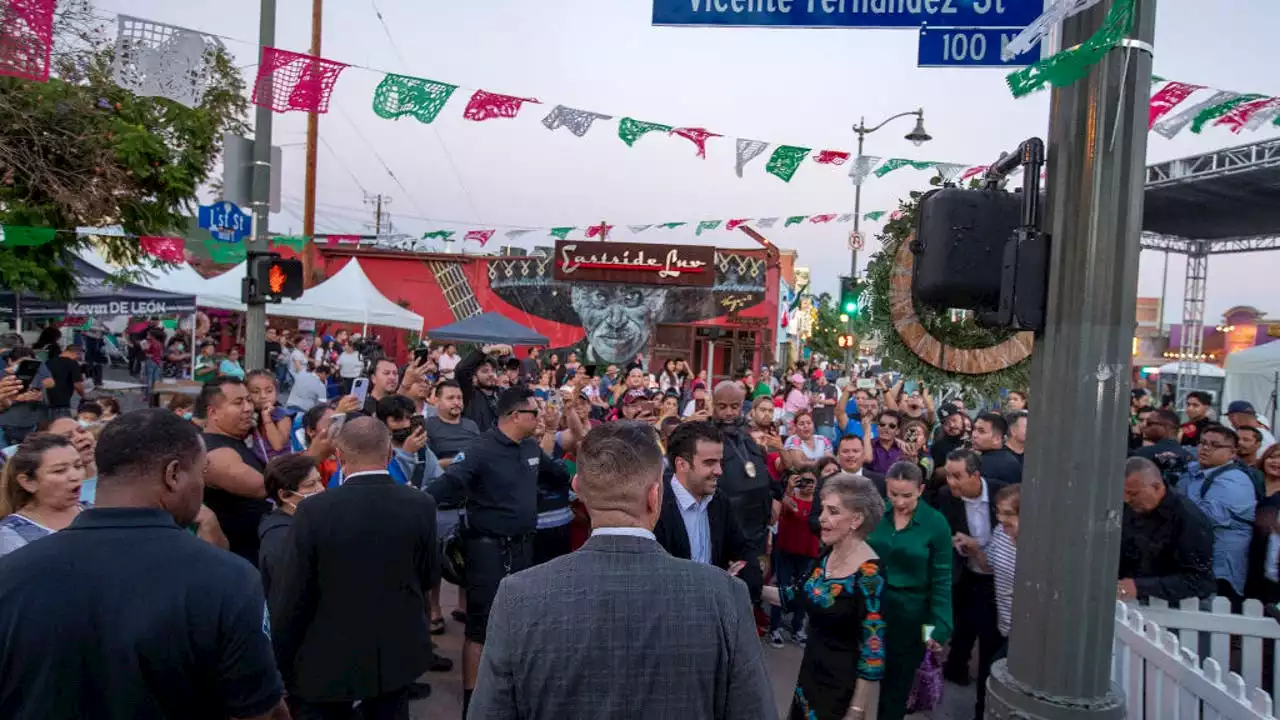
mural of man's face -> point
(618, 319)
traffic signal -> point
(272, 279)
(846, 341)
(850, 296)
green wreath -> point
(964, 334)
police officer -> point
(498, 479)
(745, 477)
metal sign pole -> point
(255, 335)
(1059, 663)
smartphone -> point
(866, 384)
(360, 388)
(335, 425)
(26, 372)
(910, 386)
(416, 422)
(699, 404)
(421, 354)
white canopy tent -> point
(1203, 370)
(348, 296)
(181, 279)
(1254, 375)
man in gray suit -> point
(620, 629)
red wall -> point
(407, 277)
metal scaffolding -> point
(1218, 203)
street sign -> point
(856, 240)
(848, 13)
(970, 47)
(225, 221)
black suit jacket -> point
(728, 544)
(952, 508)
(348, 611)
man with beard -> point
(448, 435)
(477, 377)
(618, 319)
(745, 476)
(385, 381)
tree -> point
(827, 328)
(81, 151)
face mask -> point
(399, 436)
(186, 416)
(301, 497)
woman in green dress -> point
(914, 544)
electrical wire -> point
(378, 157)
(444, 147)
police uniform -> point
(745, 480)
(498, 481)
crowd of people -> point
(624, 542)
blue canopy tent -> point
(487, 328)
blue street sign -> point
(226, 222)
(849, 13)
(970, 47)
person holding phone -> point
(795, 549)
(26, 379)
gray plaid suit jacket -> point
(620, 629)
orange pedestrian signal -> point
(846, 341)
(275, 279)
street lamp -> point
(918, 136)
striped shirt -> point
(1002, 555)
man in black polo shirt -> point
(125, 615)
(68, 380)
(497, 478)
(998, 463)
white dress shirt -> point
(696, 522)
(627, 531)
(978, 512)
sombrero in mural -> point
(528, 283)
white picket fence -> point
(1158, 665)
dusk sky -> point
(784, 86)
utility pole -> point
(1059, 663)
(377, 201)
(255, 317)
(313, 139)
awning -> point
(487, 328)
(97, 294)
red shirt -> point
(794, 535)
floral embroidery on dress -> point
(823, 590)
(809, 714)
(871, 660)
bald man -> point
(690, 639)
(745, 478)
(360, 632)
